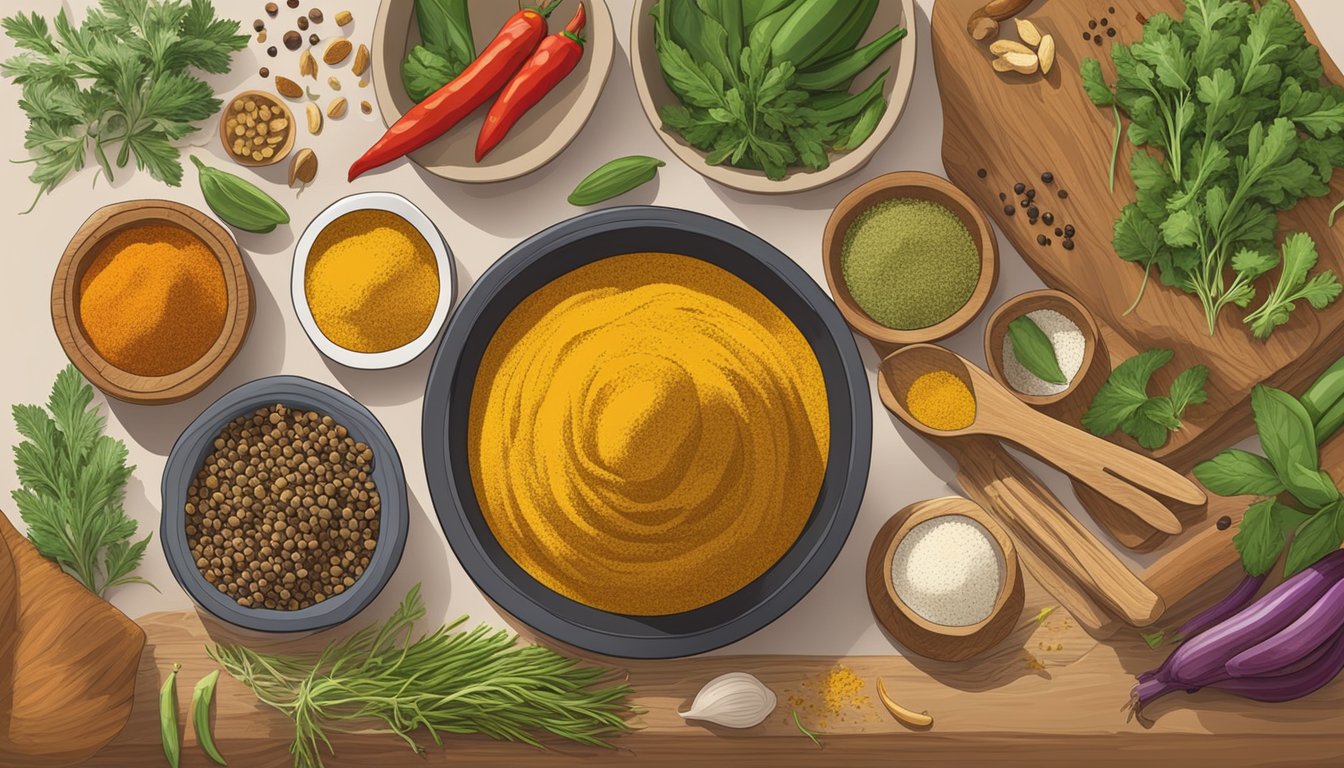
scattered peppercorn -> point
(1019, 188)
(1097, 40)
(1059, 232)
(982, 173)
(1110, 32)
(1092, 24)
(1048, 218)
(1105, 21)
(1009, 210)
(264, 72)
(1063, 194)
(292, 3)
(271, 51)
(313, 39)
(1087, 35)
(1042, 240)
(316, 15)
(272, 9)
(1003, 196)
(1069, 231)
(1068, 244)
(1034, 213)
(1048, 178)
(1025, 202)
(293, 40)
(1111, 10)
(1224, 523)
(1031, 193)
(258, 25)
(302, 22)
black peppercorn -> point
(272, 9)
(313, 39)
(1105, 21)
(264, 72)
(1019, 188)
(1224, 523)
(1087, 35)
(1002, 196)
(1048, 218)
(1111, 10)
(1034, 212)
(1097, 40)
(1069, 231)
(1059, 232)
(293, 40)
(1048, 178)
(302, 22)
(1090, 25)
(1008, 210)
(982, 173)
(316, 15)
(258, 25)
(271, 51)
(1024, 202)
(292, 3)
(1110, 32)
(1031, 193)
(1068, 244)
(1063, 194)
(1042, 239)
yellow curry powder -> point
(941, 400)
(371, 281)
(153, 300)
(648, 434)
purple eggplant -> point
(1306, 679)
(1216, 614)
(1312, 629)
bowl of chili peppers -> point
(479, 91)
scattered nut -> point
(254, 128)
(1000, 47)
(984, 22)
(316, 15)
(336, 110)
(1001, 65)
(303, 168)
(365, 107)
(1046, 53)
(334, 83)
(1023, 63)
(293, 40)
(1028, 32)
(363, 82)
(343, 18)
(361, 64)
(261, 36)
(288, 88)
(314, 118)
(337, 50)
(308, 65)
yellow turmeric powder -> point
(648, 434)
(371, 281)
(941, 400)
(153, 300)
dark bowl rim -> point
(184, 462)
(452, 514)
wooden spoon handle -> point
(1037, 519)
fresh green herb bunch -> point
(121, 78)
(446, 47)
(446, 682)
(1123, 403)
(1235, 101)
(72, 480)
(764, 84)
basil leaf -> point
(1312, 487)
(1034, 351)
(1239, 473)
(1317, 537)
(1124, 392)
(1286, 434)
(1262, 533)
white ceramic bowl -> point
(396, 204)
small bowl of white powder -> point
(944, 581)
(1073, 334)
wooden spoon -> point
(1122, 476)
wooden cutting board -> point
(1017, 127)
(1049, 696)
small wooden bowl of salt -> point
(943, 579)
(1078, 346)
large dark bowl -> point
(566, 247)
(197, 441)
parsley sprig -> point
(1244, 125)
(118, 86)
(1124, 405)
(72, 479)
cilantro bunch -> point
(119, 84)
(1244, 125)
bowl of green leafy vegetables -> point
(773, 96)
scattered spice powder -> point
(941, 400)
(372, 281)
(838, 696)
(153, 300)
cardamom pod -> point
(615, 178)
(172, 741)
(201, 697)
(239, 202)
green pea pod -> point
(239, 202)
(839, 72)
(200, 715)
(811, 28)
(172, 742)
(853, 105)
(848, 36)
(864, 126)
(615, 178)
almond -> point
(1047, 54)
(337, 51)
(336, 110)
(361, 64)
(1022, 63)
(1001, 65)
(1001, 47)
(303, 168)
(288, 88)
(307, 65)
(1028, 32)
(314, 119)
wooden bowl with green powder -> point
(909, 258)
(373, 281)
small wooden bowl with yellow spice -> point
(151, 301)
(373, 281)
(909, 259)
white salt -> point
(1069, 347)
(949, 570)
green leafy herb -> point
(1315, 538)
(1094, 83)
(446, 682)
(799, 723)
(1239, 473)
(1233, 102)
(1034, 351)
(1263, 531)
(1156, 639)
(118, 85)
(1124, 405)
(72, 480)
(446, 47)
(742, 106)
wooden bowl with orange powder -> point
(151, 300)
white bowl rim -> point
(400, 206)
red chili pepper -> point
(555, 58)
(446, 107)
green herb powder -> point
(909, 263)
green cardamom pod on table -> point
(239, 202)
(615, 178)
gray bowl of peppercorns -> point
(284, 507)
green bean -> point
(1324, 393)
(172, 742)
(200, 715)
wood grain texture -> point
(1018, 127)
(84, 247)
(1000, 711)
(914, 632)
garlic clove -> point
(734, 700)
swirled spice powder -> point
(648, 434)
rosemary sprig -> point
(446, 682)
